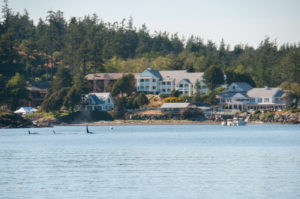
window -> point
(186, 92)
(180, 85)
(168, 83)
(142, 87)
(141, 80)
(154, 80)
(164, 83)
(259, 100)
(252, 99)
(154, 87)
(186, 85)
(108, 100)
(164, 90)
(266, 99)
(147, 87)
(146, 80)
(233, 87)
(169, 90)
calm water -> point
(176, 162)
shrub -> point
(173, 99)
(268, 115)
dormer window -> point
(233, 87)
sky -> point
(236, 21)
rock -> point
(12, 120)
(45, 122)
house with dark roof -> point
(163, 82)
(37, 92)
(240, 95)
(102, 82)
(97, 102)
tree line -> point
(35, 52)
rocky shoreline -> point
(11, 120)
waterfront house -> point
(97, 102)
(163, 82)
(240, 95)
(37, 92)
(102, 82)
(174, 107)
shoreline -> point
(158, 122)
(145, 122)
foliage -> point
(141, 99)
(292, 90)
(268, 115)
(213, 77)
(175, 93)
(190, 113)
(173, 99)
(124, 85)
(86, 116)
(17, 91)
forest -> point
(32, 52)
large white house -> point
(97, 102)
(240, 95)
(163, 82)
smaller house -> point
(25, 110)
(174, 107)
(97, 102)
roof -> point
(107, 76)
(228, 94)
(156, 73)
(99, 98)
(243, 85)
(265, 92)
(33, 88)
(179, 75)
(25, 110)
(175, 105)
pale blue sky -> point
(237, 21)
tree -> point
(3, 91)
(124, 85)
(175, 93)
(17, 90)
(55, 98)
(79, 88)
(141, 99)
(213, 77)
(292, 90)
(231, 77)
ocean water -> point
(141, 162)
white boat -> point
(234, 122)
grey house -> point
(242, 96)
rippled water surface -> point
(176, 162)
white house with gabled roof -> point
(163, 82)
(97, 102)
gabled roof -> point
(99, 98)
(107, 76)
(154, 72)
(25, 110)
(265, 92)
(243, 85)
(240, 95)
(179, 75)
(175, 105)
(228, 94)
